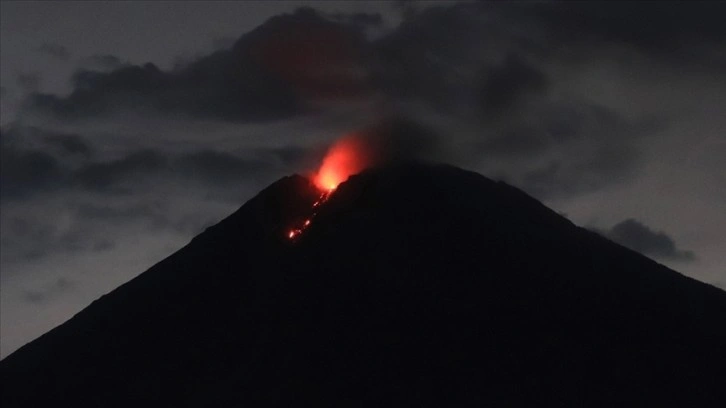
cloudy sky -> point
(128, 127)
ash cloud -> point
(507, 84)
(267, 74)
(396, 139)
(487, 69)
(675, 32)
(481, 78)
(360, 19)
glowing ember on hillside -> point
(297, 230)
(344, 158)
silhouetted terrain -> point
(416, 285)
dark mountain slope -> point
(415, 285)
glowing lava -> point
(344, 158)
(297, 230)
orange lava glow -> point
(294, 233)
(343, 159)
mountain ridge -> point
(415, 284)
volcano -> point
(415, 285)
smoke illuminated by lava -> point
(391, 140)
(344, 158)
(386, 142)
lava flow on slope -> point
(296, 230)
(343, 159)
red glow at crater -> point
(344, 158)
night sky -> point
(129, 127)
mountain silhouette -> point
(414, 285)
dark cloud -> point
(267, 74)
(289, 157)
(566, 149)
(500, 61)
(62, 142)
(43, 293)
(360, 19)
(674, 30)
(26, 238)
(638, 237)
(434, 52)
(516, 142)
(36, 160)
(208, 168)
(212, 167)
(25, 171)
(29, 81)
(397, 139)
(270, 72)
(55, 50)
(155, 214)
(104, 62)
(219, 43)
(318, 58)
(452, 58)
(223, 85)
(570, 175)
(121, 175)
(30, 237)
(510, 82)
(438, 54)
(70, 144)
(425, 57)
(103, 245)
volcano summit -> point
(415, 285)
